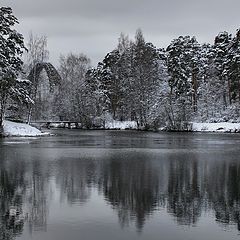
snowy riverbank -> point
(216, 127)
(11, 129)
(194, 127)
(121, 125)
(24, 130)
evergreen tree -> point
(207, 97)
(232, 69)
(183, 61)
(11, 48)
(111, 82)
(221, 46)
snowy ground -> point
(216, 127)
(196, 127)
(20, 130)
(120, 125)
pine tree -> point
(221, 46)
(183, 61)
(111, 82)
(11, 48)
(232, 69)
(206, 87)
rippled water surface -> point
(120, 185)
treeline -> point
(137, 81)
(187, 81)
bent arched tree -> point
(52, 73)
(53, 78)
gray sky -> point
(92, 27)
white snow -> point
(113, 124)
(20, 130)
(23, 80)
(216, 127)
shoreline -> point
(13, 129)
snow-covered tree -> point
(145, 71)
(183, 61)
(221, 46)
(207, 103)
(70, 103)
(232, 69)
(110, 81)
(37, 54)
(129, 80)
(11, 49)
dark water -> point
(120, 185)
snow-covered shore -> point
(13, 129)
(194, 126)
(216, 127)
(122, 125)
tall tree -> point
(183, 60)
(71, 100)
(207, 94)
(37, 54)
(232, 69)
(11, 49)
(146, 77)
(111, 82)
(221, 46)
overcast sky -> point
(92, 27)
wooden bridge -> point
(48, 123)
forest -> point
(156, 87)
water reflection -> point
(136, 184)
(12, 188)
(75, 178)
(224, 192)
(131, 186)
(36, 195)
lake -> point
(120, 185)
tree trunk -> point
(194, 86)
(2, 113)
(29, 114)
(238, 90)
(1, 127)
(229, 92)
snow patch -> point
(11, 129)
(120, 125)
(216, 127)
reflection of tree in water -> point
(194, 187)
(75, 178)
(36, 195)
(131, 186)
(135, 185)
(21, 184)
(223, 190)
(12, 186)
(135, 188)
(184, 195)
